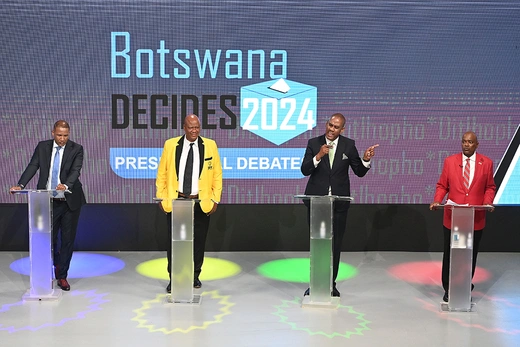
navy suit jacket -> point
(322, 176)
(71, 164)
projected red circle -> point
(429, 272)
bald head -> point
(192, 127)
(469, 143)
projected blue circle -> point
(82, 265)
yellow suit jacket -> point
(210, 178)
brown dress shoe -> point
(63, 284)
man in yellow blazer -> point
(190, 168)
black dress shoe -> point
(197, 283)
(169, 288)
(63, 284)
(307, 292)
(335, 292)
(445, 297)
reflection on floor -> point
(387, 298)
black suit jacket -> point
(71, 164)
(322, 176)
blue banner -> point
(237, 163)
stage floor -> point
(254, 299)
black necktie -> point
(188, 172)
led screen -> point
(263, 77)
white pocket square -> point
(344, 157)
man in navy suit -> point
(330, 177)
(59, 161)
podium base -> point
(333, 304)
(196, 300)
(53, 296)
(445, 307)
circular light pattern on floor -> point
(352, 323)
(297, 270)
(213, 269)
(82, 265)
(75, 305)
(151, 316)
(504, 323)
(429, 272)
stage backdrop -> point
(264, 77)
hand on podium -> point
(434, 205)
(14, 188)
(491, 207)
(61, 186)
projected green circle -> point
(213, 269)
(297, 270)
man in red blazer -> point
(480, 191)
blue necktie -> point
(55, 170)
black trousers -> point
(65, 224)
(339, 225)
(200, 232)
(477, 236)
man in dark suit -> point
(59, 161)
(467, 178)
(190, 168)
(331, 177)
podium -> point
(461, 257)
(40, 246)
(321, 233)
(182, 267)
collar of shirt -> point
(335, 142)
(187, 143)
(473, 158)
(54, 145)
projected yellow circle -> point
(213, 269)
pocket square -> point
(344, 157)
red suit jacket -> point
(480, 192)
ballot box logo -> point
(278, 110)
